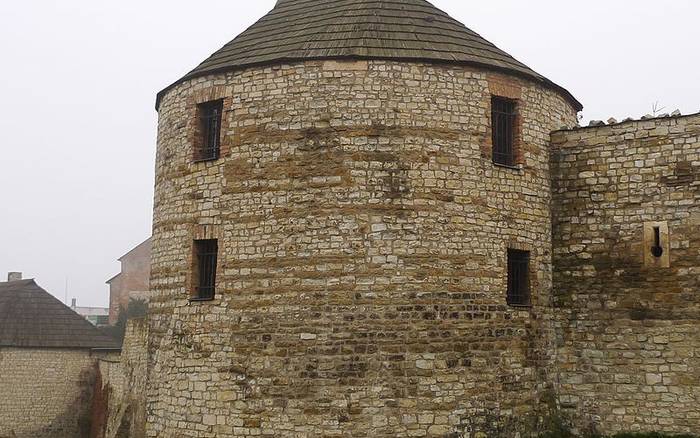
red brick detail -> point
(194, 137)
(203, 232)
(510, 88)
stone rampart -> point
(45, 393)
(629, 351)
(124, 385)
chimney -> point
(73, 303)
(14, 276)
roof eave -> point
(544, 81)
(106, 349)
(30, 346)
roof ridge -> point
(135, 248)
(24, 280)
(427, 5)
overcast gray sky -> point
(79, 78)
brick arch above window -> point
(502, 91)
(195, 104)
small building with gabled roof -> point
(48, 355)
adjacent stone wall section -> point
(124, 382)
(363, 232)
(629, 355)
(45, 393)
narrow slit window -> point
(205, 254)
(503, 127)
(518, 278)
(657, 250)
(209, 142)
(657, 245)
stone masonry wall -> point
(45, 393)
(629, 349)
(363, 232)
(124, 381)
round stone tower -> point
(352, 231)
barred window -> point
(208, 143)
(503, 128)
(518, 277)
(205, 261)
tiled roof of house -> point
(30, 317)
(408, 30)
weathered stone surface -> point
(124, 381)
(362, 235)
(628, 357)
(45, 393)
(363, 232)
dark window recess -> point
(503, 119)
(518, 277)
(205, 253)
(210, 131)
(657, 250)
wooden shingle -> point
(407, 30)
(30, 317)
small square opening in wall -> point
(208, 141)
(503, 130)
(657, 245)
(518, 278)
(204, 269)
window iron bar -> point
(503, 119)
(518, 278)
(210, 124)
(206, 252)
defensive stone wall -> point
(629, 302)
(124, 385)
(45, 393)
(363, 232)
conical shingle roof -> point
(30, 317)
(408, 30)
